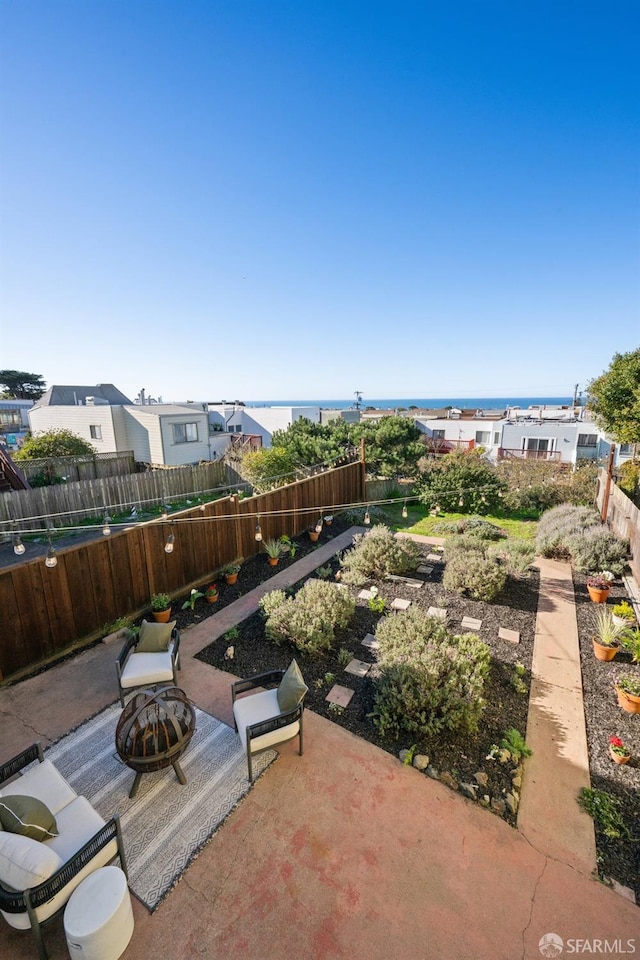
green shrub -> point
(559, 525)
(463, 544)
(477, 576)
(462, 481)
(598, 548)
(377, 553)
(430, 680)
(310, 618)
(271, 601)
(516, 555)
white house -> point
(258, 421)
(162, 434)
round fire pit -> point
(154, 730)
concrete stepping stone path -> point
(340, 695)
(359, 668)
(400, 604)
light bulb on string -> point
(106, 529)
(405, 512)
(18, 545)
(319, 525)
(461, 502)
(258, 534)
(367, 517)
(51, 559)
(168, 547)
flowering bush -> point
(618, 747)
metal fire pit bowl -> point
(153, 732)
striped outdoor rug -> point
(166, 825)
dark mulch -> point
(459, 755)
(617, 858)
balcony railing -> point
(506, 453)
(439, 447)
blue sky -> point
(248, 200)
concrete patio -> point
(345, 852)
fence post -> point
(607, 484)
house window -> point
(483, 437)
(96, 431)
(587, 439)
(626, 450)
(437, 434)
(185, 432)
(537, 444)
(496, 438)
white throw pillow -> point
(25, 863)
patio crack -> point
(533, 901)
(6, 714)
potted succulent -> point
(328, 519)
(598, 585)
(606, 641)
(211, 593)
(288, 545)
(628, 691)
(273, 549)
(231, 570)
(619, 753)
(623, 614)
(161, 607)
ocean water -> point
(479, 403)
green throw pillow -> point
(292, 688)
(27, 816)
(154, 637)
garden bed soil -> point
(453, 756)
(618, 858)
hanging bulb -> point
(367, 517)
(18, 545)
(483, 499)
(258, 533)
(501, 494)
(202, 507)
(461, 502)
(319, 525)
(168, 547)
(51, 559)
(164, 514)
(106, 529)
(405, 513)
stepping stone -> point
(406, 581)
(470, 623)
(340, 695)
(358, 668)
(439, 612)
(399, 604)
(513, 636)
(367, 595)
(425, 568)
(435, 557)
(370, 642)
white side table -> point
(98, 919)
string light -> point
(168, 547)
(18, 545)
(258, 534)
(319, 525)
(405, 512)
(51, 559)
(106, 529)
(367, 516)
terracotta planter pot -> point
(602, 652)
(161, 616)
(313, 535)
(599, 596)
(231, 578)
(273, 561)
(212, 599)
(628, 701)
(617, 758)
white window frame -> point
(181, 432)
(95, 430)
(483, 433)
(527, 440)
(587, 436)
(437, 435)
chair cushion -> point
(24, 862)
(258, 707)
(77, 823)
(154, 637)
(292, 688)
(27, 816)
(44, 782)
(142, 668)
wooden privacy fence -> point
(623, 517)
(90, 467)
(71, 502)
(46, 610)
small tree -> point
(266, 469)
(614, 397)
(463, 481)
(54, 443)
